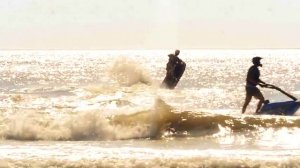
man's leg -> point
(247, 101)
(261, 99)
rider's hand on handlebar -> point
(264, 85)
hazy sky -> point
(149, 24)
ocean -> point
(105, 108)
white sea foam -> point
(128, 72)
(87, 125)
(83, 126)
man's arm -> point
(262, 83)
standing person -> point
(175, 69)
(251, 82)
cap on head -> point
(256, 61)
(177, 52)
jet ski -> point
(287, 108)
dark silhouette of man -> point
(251, 82)
(175, 68)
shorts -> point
(254, 91)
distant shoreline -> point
(159, 49)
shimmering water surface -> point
(106, 109)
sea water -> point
(106, 109)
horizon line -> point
(131, 49)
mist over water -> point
(106, 109)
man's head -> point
(177, 52)
(256, 61)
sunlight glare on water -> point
(106, 108)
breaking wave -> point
(158, 122)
